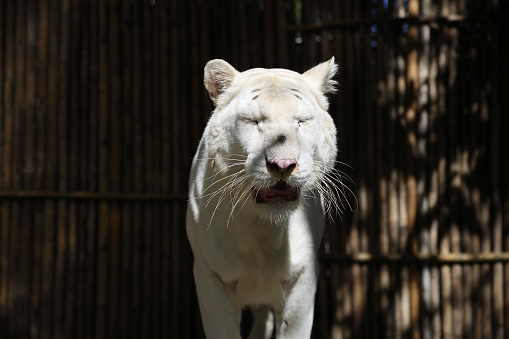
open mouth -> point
(281, 192)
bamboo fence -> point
(101, 109)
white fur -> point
(260, 254)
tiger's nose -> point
(282, 166)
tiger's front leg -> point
(295, 320)
(221, 319)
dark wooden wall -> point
(102, 106)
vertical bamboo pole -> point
(75, 159)
(74, 122)
(423, 152)
(91, 272)
(293, 18)
(61, 318)
(455, 154)
(196, 76)
(281, 35)
(308, 39)
(469, 142)
(380, 240)
(61, 231)
(40, 128)
(47, 276)
(445, 246)
(13, 87)
(90, 73)
(165, 170)
(175, 123)
(325, 50)
(370, 213)
(83, 111)
(136, 305)
(2, 130)
(256, 47)
(147, 123)
(243, 36)
(18, 99)
(155, 11)
(444, 237)
(126, 185)
(40, 88)
(181, 172)
(502, 100)
(4, 230)
(472, 139)
(113, 55)
(499, 142)
(29, 100)
(49, 233)
(345, 301)
(412, 83)
(268, 20)
(35, 292)
(412, 78)
(233, 33)
(137, 174)
(113, 302)
(432, 304)
(41, 38)
(103, 249)
(101, 304)
(329, 288)
(359, 231)
(30, 168)
(80, 43)
(125, 312)
(337, 229)
(477, 138)
(77, 226)
(392, 226)
(15, 279)
(370, 236)
(156, 271)
(22, 210)
(401, 229)
(495, 141)
(71, 279)
(80, 284)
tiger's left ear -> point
(321, 76)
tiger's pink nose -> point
(282, 166)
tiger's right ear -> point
(218, 77)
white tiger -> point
(259, 187)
